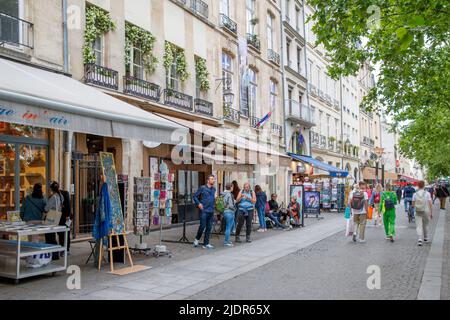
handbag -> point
(349, 229)
(53, 217)
(347, 213)
(370, 213)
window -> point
(137, 66)
(227, 71)
(225, 7)
(328, 125)
(251, 10)
(10, 29)
(288, 51)
(172, 76)
(270, 31)
(288, 4)
(273, 95)
(297, 18)
(318, 78)
(97, 46)
(252, 92)
(299, 60)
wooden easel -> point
(111, 249)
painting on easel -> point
(110, 174)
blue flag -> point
(301, 139)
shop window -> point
(17, 130)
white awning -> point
(36, 97)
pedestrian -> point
(408, 193)
(66, 219)
(228, 214)
(33, 207)
(236, 190)
(387, 206)
(205, 199)
(399, 194)
(374, 202)
(54, 203)
(442, 193)
(261, 201)
(274, 214)
(424, 212)
(246, 206)
(359, 202)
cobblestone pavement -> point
(336, 268)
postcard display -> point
(142, 206)
(162, 196)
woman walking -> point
(375, 203)
(228, 214)
(55, 202)
(388, 202)
(261, 201)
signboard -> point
(312, 203)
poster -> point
(297, 192)
(153, 166)
(109, 172)
(312, 203)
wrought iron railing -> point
(231, 114)
(330, 144)
(16, 31)
(254, 121)
(200, 7)
(323, 142)
(273, 56)
(227, 23)
(299, 111)
(203, 107)
(368, 141)
(178, 100)
(253, 40)
(277, 129)
(141, 88)
(101, 76)
(315, 138)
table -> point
(13, 253)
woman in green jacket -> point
(388, 202)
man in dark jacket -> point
(205, 199)
(65, 217)
(442, 193)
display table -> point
(13, 253)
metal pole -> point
(65, 37)
(382, 175)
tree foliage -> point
(409, 40)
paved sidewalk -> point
(184, 278)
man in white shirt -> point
(424, 205)
(358, 201)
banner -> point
(312, 203)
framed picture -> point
(312, 203)
(153, 165)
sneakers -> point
(419, 243)
(426, 240)
(228, 244)
(361, 241)
(248, 240)
(260, 230)
(354, 238)
(238, 240)
(195, 243)
(392, 239)
(208, 246)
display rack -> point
(142, 213)
(13, 253)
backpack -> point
(377, 198)
(358, 200)
(220, 204)
(420, 202)
(389, 204)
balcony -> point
(101, 76)
(228, 24)
(273, 56)
(253, 41)
(299, 113)
(178, 100)
(203, 107)
(323, 142)
(141, 88)
(315, 139)
(200, 8)
(368, 141)
(16, 31)
(254, 121)
(231, 115)
(330, 144)
(277, 129)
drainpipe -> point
(307, 71)
(65, 37)
(283, 79)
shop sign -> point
(6, 111)
(29, 116)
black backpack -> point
(358, 200)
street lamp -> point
(228, 97)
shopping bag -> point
(39, 260)
(349, 228)
(53, 217)
(347, 213)
(370, 213)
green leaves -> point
(202, 74)
(138, 37)
(173, 54)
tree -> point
(409, 40)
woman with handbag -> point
(261, 201)
(54, 203)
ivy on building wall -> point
(98, 22)
(173, 54)
(202, 74)
(138, 37)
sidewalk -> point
(191, 271)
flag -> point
(301, 139)
(264, 120)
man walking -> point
(358, 201)
(205, 199)
(442, 193)
(423, 204)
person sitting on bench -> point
(274, 213)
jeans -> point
(229, 220)
(206, 221)
(246, 216)
(262, 217)
(275, 219)
(408, 202)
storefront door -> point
(188, 184)
(24, 155)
